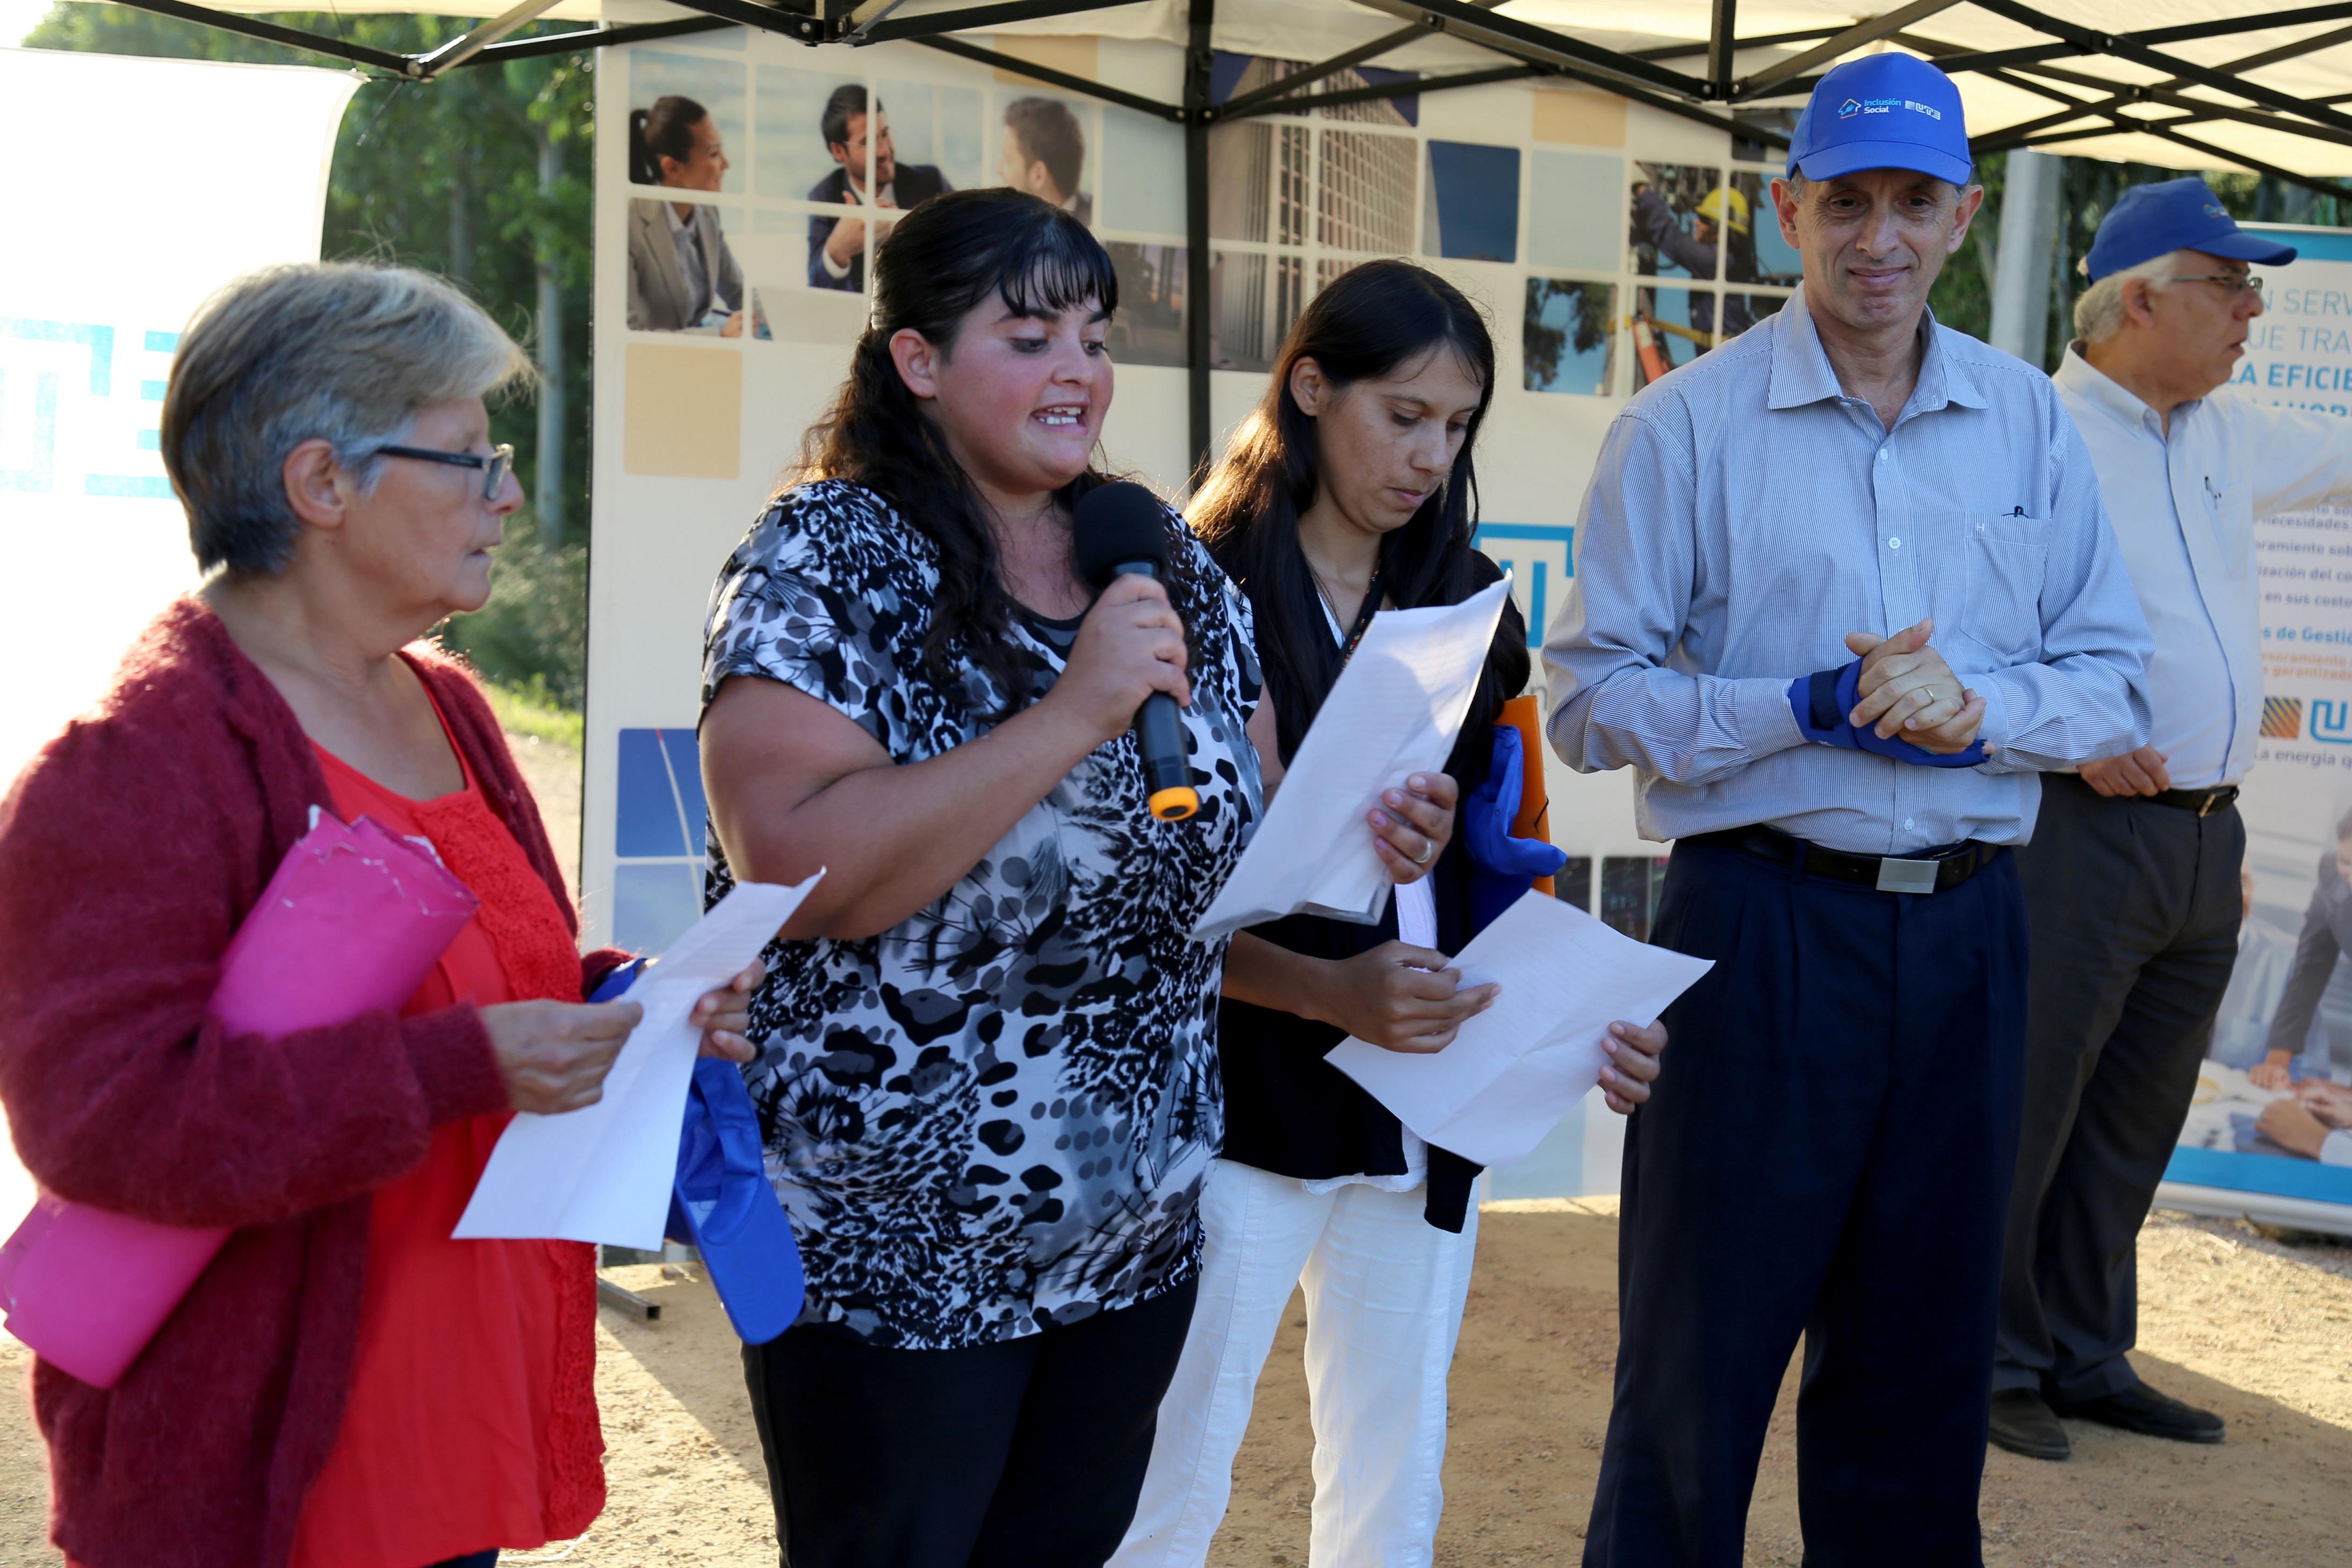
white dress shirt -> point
(2184, 505)
(1746, 514)
(692, 264)
(840, 269)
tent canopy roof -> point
(2182, 83)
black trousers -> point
(2135, 909)
(1828, 1153)
(1024, 1454)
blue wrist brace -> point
(1822, 701)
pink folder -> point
(351, 923)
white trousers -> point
(1384, 1295)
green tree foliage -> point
(2088, 189)
(483, 176)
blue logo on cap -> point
(1849, 109)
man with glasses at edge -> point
(2131, 880)
(1843, 588)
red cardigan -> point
(129, 850)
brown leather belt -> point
(2204, 802)
(1931, 872)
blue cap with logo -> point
(2175, 214)
(1883, 111)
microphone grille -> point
(1116, 522)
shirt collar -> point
(676, 223)
(1801, 373)
(2085, 381)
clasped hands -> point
(1907, 691)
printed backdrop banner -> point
(1607, 243)
(2289, 1005)
(147, 185)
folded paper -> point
(1394, 712)
(603, 1173)
(1514, 1070)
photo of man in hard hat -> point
(1658, 228)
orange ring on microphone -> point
(1173, 805)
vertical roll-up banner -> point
(2265, 1135)
(141, 186)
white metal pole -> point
(2028, 235)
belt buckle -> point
(2205, 807)
(1906, 876)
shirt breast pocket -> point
(2001, 609)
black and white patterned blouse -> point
(995, 1117)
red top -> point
(129, 851)
(471, 1421)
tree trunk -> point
(549, 499)
(461, 234)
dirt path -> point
(2256, 1329)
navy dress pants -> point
(1828, 1153)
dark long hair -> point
(1371, 321)
(943, 259)
(664, 130)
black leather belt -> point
(2204, 802)
(1930, 872)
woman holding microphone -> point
(986, 1074)
(1350, 490)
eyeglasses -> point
(2233, 283)
(495, 467)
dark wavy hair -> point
(944, 259)
(664, 130)
(1371, 321)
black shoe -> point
(2142, 1410)
(2023, 1425)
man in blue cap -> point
(2132, 877)
(1843, 587)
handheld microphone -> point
(1121, 529)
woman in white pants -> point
(1348, 491)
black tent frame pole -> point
(1051, 78)
(1200, 61)
(1538, 52)
(290, 37)
(1249, 102)
(593, 38)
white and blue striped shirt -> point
(1746, 514)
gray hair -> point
(347, 352)
(2099, 313)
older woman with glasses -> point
(345, 1387)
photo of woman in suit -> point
(682, 275)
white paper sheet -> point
(603, 1173)
(1394, 712)
(1518, 1068)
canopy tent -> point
(2184, 83)
(2215, 84)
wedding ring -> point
(1427, 850)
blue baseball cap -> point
(1883, 111)
(2175, 214)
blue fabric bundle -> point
(1501, 867)
(1822, 701)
